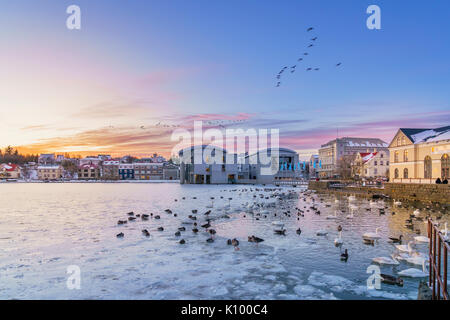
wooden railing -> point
(438, 268)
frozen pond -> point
(44, 228)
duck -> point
(414, 273)
(177, 234)
(146, 233)
(144, 216)
(369, 241)
(396, 240)
(160, 229)
(371, 235)
(157, 217)
(388, 279)
(194, 230)
(299, 231)
(212, 232)
(206, 225)
(339, 228)
(130, 213)
(280, 231)
(338, 241)
(122, 221)
(209, 240)
(131, 218)
(386, 260)
(344, 256)
(255, 239)
(194, 211)
(120, 235)
(168, 211)
(322, 233)
(182, 241)
(181, 229)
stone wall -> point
(421, 192)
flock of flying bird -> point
(280, 209)
(300, 59)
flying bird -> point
(316, 69)
(337, 65)
(300, 59)
(311, 45)
(278, 84)
(309, 29)
(309, 69)
(305, 54)
(314, 39)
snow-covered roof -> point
(431, 135)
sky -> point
(137, 70)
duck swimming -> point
(396, 240)
(344, 256)
(146, 233)
(120, 235)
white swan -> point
(351, 198)
(416, 212)
(397, 203)
(417, 260)
(371, 235)
(332, 216)
(422, 239)
(405, 247)
(386, 260)
(338, 241)
(414, 273)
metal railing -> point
(438, 277)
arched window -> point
(396, 174)
(405, 156)
(396, 156)
(405, 173)
(445, 167)
(427, 168)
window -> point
(375, 171)
(375, 163)
(405, 156)
(427, 166)
(405, 173)
(381, 155)
(445, 166)
(396, 174)
(396, 156)
(381, 162)
(387, 163)
(398, 141)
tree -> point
(69, 167)
(344, 167)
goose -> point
(371, 235)
(422, 239)
(414, 273)
(338, 241)
(405, 248)
(396, 240)
(329, 217)
(386, 260)
(177, 234)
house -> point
(88, 171)
(110, 170)
(9, 171)
(420, 155)
(46, 159)
(49, 172)
(345, 149)
(148, 171)
(171, 172)
(126, 171)
(371, 164)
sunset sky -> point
(134, 64)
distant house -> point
(110, 170)
(126, 171)
(88, 172)
(371, 164)
(46, 159)
(171, 172)
(9, 171)
(49, 172)
(420, 155)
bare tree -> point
(344, 166)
